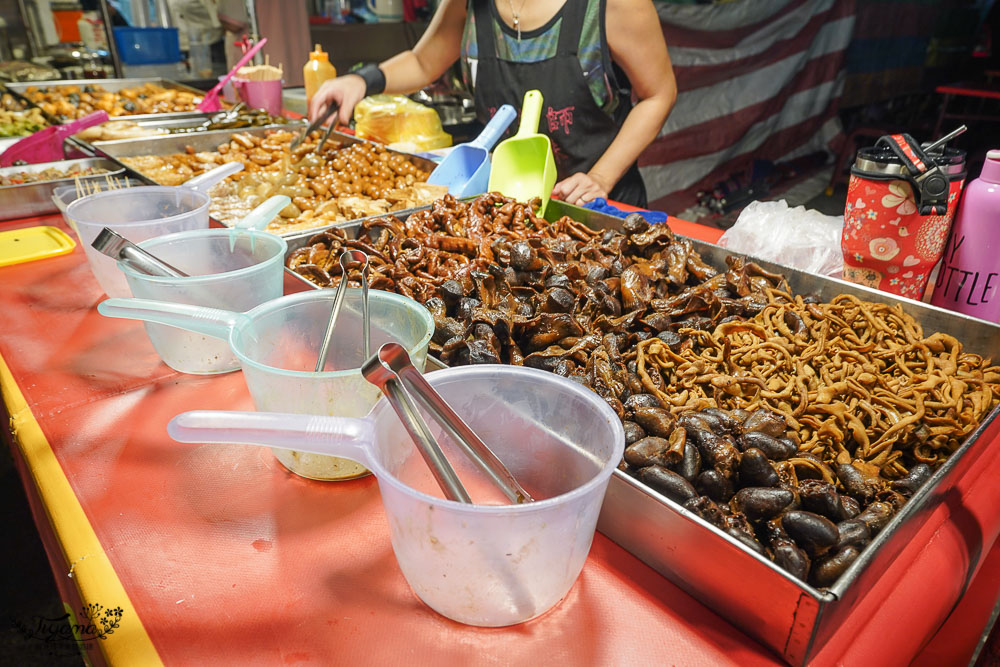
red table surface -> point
(229, 559)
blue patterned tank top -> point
(540, 44)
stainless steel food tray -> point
(209, 141)
(785, 614)
(111, 85)
(29, 199)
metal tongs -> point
(391, 371)
(119, 248)
(315, 125)
(351, 257)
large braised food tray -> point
(822, 463)
(27, 190)
(351, 179)
(63, 101)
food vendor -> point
(586, 58)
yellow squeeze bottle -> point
(316, 71)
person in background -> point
(196, 21)
(587, 57)
(286, 26)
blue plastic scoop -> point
(466, 169)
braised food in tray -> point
(51, 174)
(10, 103)
(796, 426)
(74, 101)
(343, 183)
(21, 123)
(234, 118)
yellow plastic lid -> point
(31, 243)
(319, 54)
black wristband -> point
(374, 78)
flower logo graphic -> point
(883, 248)
(900, 197)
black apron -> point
(579, 130)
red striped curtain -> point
(756, 79)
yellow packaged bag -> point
(400, 122)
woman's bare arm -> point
(637, 46)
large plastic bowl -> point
(237, 279)
(277, 344)
(137, 214)
(482, 564)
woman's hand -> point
(345, 91)
(578, 189)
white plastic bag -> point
(802, 239)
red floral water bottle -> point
(969, 280)
(900, 205)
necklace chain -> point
(517, 16)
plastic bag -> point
(396, 119)
(797, 237)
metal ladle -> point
(354, 257)
(119, 248)
(391, 371)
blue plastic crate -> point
(148, 46)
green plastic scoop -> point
(523, 166)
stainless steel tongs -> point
(315, 125)
(119, 248)
(358, 258)
(391, 371)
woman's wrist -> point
(374, 78)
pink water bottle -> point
(969, 281)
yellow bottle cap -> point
(319, 54)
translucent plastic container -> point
(64, 195)
(483, 564)
(137, 214)
(278, 342)
(238, 279)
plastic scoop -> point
(466, 169)
(258, 218)
(203, 182)
(523, 166)
(120, 248)
(211, 100)
(481, 564)
(47, 145)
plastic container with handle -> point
(480, 564)
(277, 344)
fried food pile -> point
(71, 102)
(796, 426)
(344, 183)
